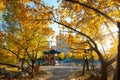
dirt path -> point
(61, 72)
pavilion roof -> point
(52, 52)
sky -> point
(51, 3)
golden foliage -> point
(69, 54)
(28, 39)
(61, 55)
(1, 6)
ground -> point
(58, 72)
(61, 73)
(65, 73)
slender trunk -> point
(92, 63)
(92, 67)
(83, 71)
(87, 64)
(33, 72)
(22, 65)
(92, 58)
(103, 71)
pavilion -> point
(51, 57)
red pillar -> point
(48, 58)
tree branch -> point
(112, 60)
(92, 8)
(8, 64)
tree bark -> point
(115, 75)
(92, 58)
(33, 71)
(112, 60)
(103, 65)
(87, 64)
(118, 55)
(83, 71)
(104, 71)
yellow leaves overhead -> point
(83, 0)
(79, 54)
(45, 15)
(47, 31)
(77, 7)
(95, 56)
(27, 1)
(1, 6)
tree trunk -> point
(103, 65)
(92, 66)
(103, 71)
(22, 65)
(83, 71)
(118, 55)
(33, 72)
(87, 63)
(115, 75)
(92, 58)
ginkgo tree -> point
(25, 32)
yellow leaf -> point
(1, 6)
